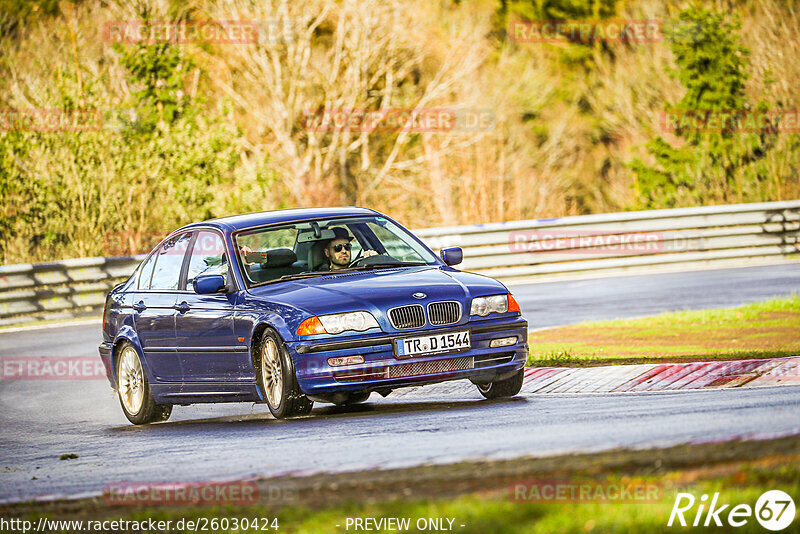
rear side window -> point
(169, 260)
(147, 272)
(208, 257)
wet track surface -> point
(42, 419)
(226, 442)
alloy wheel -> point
(271, 372)
(131, 380)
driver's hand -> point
(368, 253)
(244, 250)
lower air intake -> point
(487, 360)
(431, 367)
(406, 369)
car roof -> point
(248, 220)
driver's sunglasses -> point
(340, 246)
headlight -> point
(337, 323)
(483, 306)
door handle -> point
(183, 307)
(139, 306)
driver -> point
(337, 250)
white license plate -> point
(435, 344)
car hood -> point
(378, 290)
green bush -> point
(160, 160)
(709, 166)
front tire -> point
(503, 388)
(276, 379)
(133, 390)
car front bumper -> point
(382, 370)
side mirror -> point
(452, 255)
(208, 284)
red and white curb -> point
(647, 377)
(662, 377)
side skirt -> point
(197, 393)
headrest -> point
(280, 257)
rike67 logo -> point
(774, 510)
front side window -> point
(169, 260)
(208, 257)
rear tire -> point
(503, 388)
(133, 389)
(276, 378)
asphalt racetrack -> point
(42, 419)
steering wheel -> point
(354, 260)
(377, 258)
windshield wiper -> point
(302, 275)
(350, 269)
(313, 274)
(387, 264)
(297, 276)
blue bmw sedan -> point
(295, 306)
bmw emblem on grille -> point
(419, 295)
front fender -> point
(248, 326)
(272, 320)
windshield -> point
(314, 248)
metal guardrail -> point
(60, 288)
(688, 237)
(516, 250)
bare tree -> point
(343, 57)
